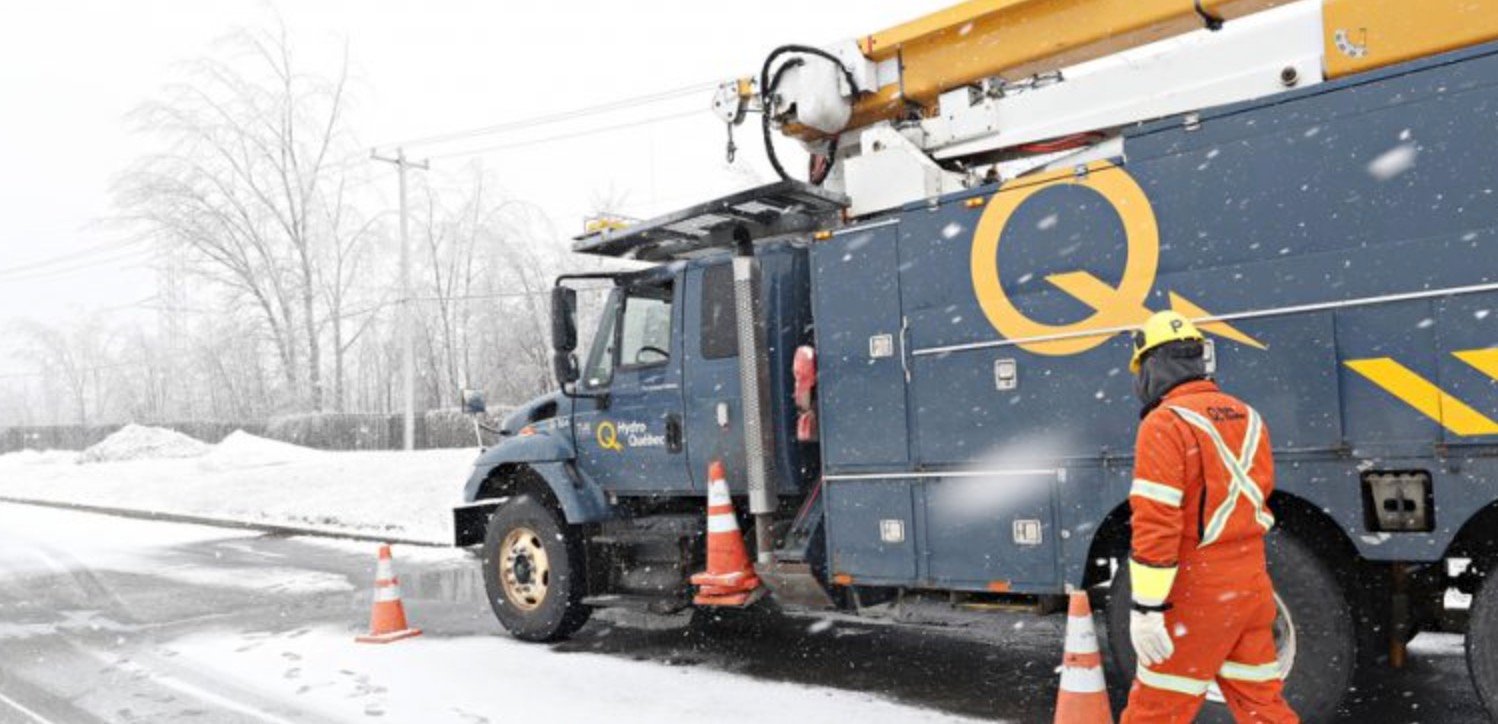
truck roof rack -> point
(783, 207)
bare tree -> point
(72, 359)
(344, 262)
(485, 267)
(250, 184)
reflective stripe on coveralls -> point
(1240, 483)
(1163, 494)
(1250, 672)
(1172, 682)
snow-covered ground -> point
(251, 479)
(149, 621)
(431, 679)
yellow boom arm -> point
(1015, 39)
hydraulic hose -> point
(768, 83)
(766, 104)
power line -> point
(559, 117)
(117, 259)
(105, 247)
(575, 134)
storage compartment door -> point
(860, 350)
(993, 531)
(871, 531)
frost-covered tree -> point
(251, 190)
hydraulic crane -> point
(988, 90)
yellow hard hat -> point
(1160, 328)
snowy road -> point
(106, 619)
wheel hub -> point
(524, 569)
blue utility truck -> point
(966, 439)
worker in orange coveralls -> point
(1203, 604)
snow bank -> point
(242, 450)
(139, 442)
(251, 479)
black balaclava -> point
(1165, 367)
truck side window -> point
(719, 317)
(600, 369)
(645, 331)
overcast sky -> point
(70, 70)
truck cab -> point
(658, 397)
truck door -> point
(629, 437)
(711, 361)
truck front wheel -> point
(533, 571)
(1313, 634)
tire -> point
(1482, 645)
(1322, 643)
(537, 582)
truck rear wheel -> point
(1314, 632)
(1482, 645)
(533, 571)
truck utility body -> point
(970, 427)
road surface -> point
(111, 620)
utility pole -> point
(407, 317)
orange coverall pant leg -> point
(1212, 627)
(1250, 695)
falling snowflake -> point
(1393, 162)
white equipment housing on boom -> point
(994, 129)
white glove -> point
(1152, 642)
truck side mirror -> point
(473, 402)
(564, 365)
(563, 320)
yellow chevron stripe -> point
(1423, 395)
(1485, 360)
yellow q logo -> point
(608, 436)
(1113, 307)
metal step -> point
(794, 585)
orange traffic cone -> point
(1083, 698)
(729, 579)
(387, 622)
